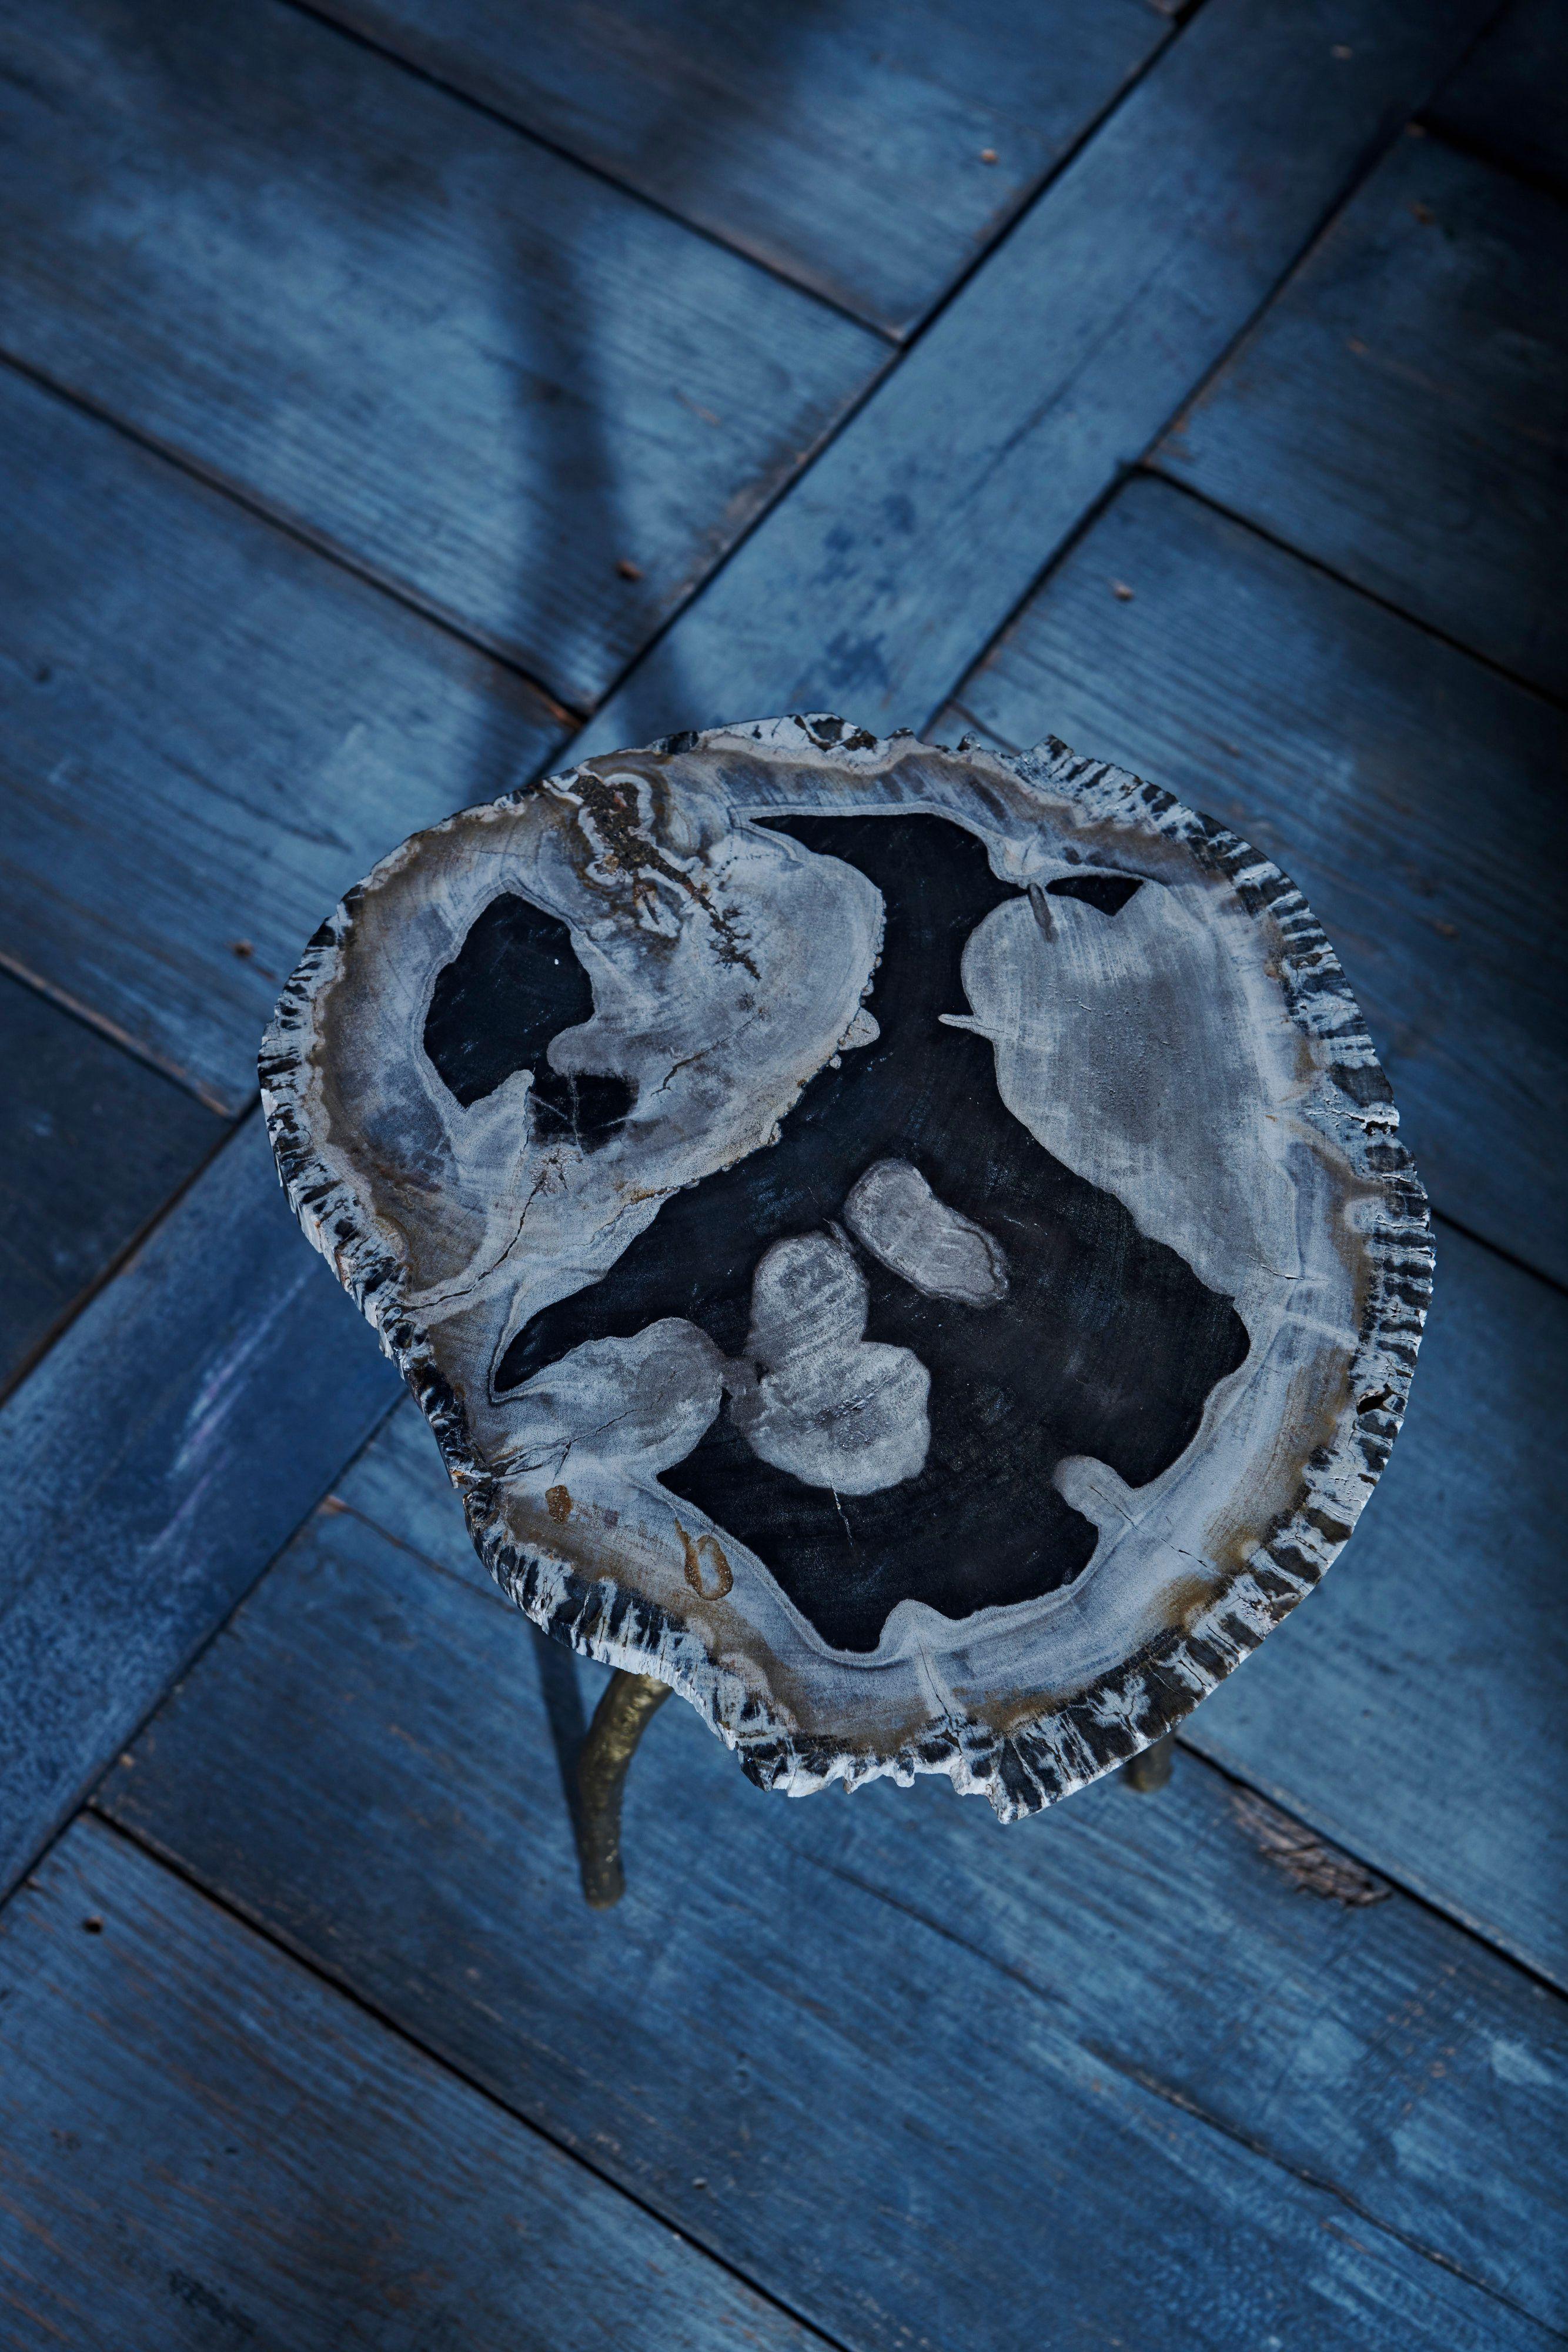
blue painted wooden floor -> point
(393, 393)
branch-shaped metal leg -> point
(1151, 1768)
(622, 1715)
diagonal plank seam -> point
(1147, 2080)
(1152, 467)
(1180, 16)
(347, 1990)
(1140, 2078)
(1477, 151)
(451, 89)
(187, 462)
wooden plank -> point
(871, 151)
(476, 370)
(400, 1486)
(1414, 796)
(203, 2145)
(210, 734)
(1416, 1710)
(1507, 97)
(1410, 1711)
(92, 1144)
(911, 539)
(1399, 415)
(153, 1464)
(1005, 2036)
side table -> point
(907, 1247)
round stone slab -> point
(910, 1247)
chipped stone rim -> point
(1041, 1758)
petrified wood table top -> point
(909, 1246)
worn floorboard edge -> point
(361, 1766)
(204, 2142)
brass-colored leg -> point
(622, 1715)
(1152, 1768)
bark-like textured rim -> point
(1032, 1762)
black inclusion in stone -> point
(1107, 892)
(1106, 1344)
(514, 985)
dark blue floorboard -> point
(1401, 414)
(1507, 97)
(202, 2145)
(473, 368)
(870, 149)
(1021, 2041)
(92, 1144)
(153, 1464)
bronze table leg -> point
(1151, 1768)
(620, 1720)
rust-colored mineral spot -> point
(558, 1503)
(715, 1555)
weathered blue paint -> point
(205, 2145)
(150, 1466)
(1401, 412)
(1080, 2071)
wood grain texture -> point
(870, 149)
(399, 1482)
(1415, 1714)
(1506, 96)
(135, 1508)
(1415, 797)
(203, 2145)
(883, 1990)
(919, 530)
(1000, 1486)
(1401, 414)
(92, 1144)
(471, 367)
(209, 733)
